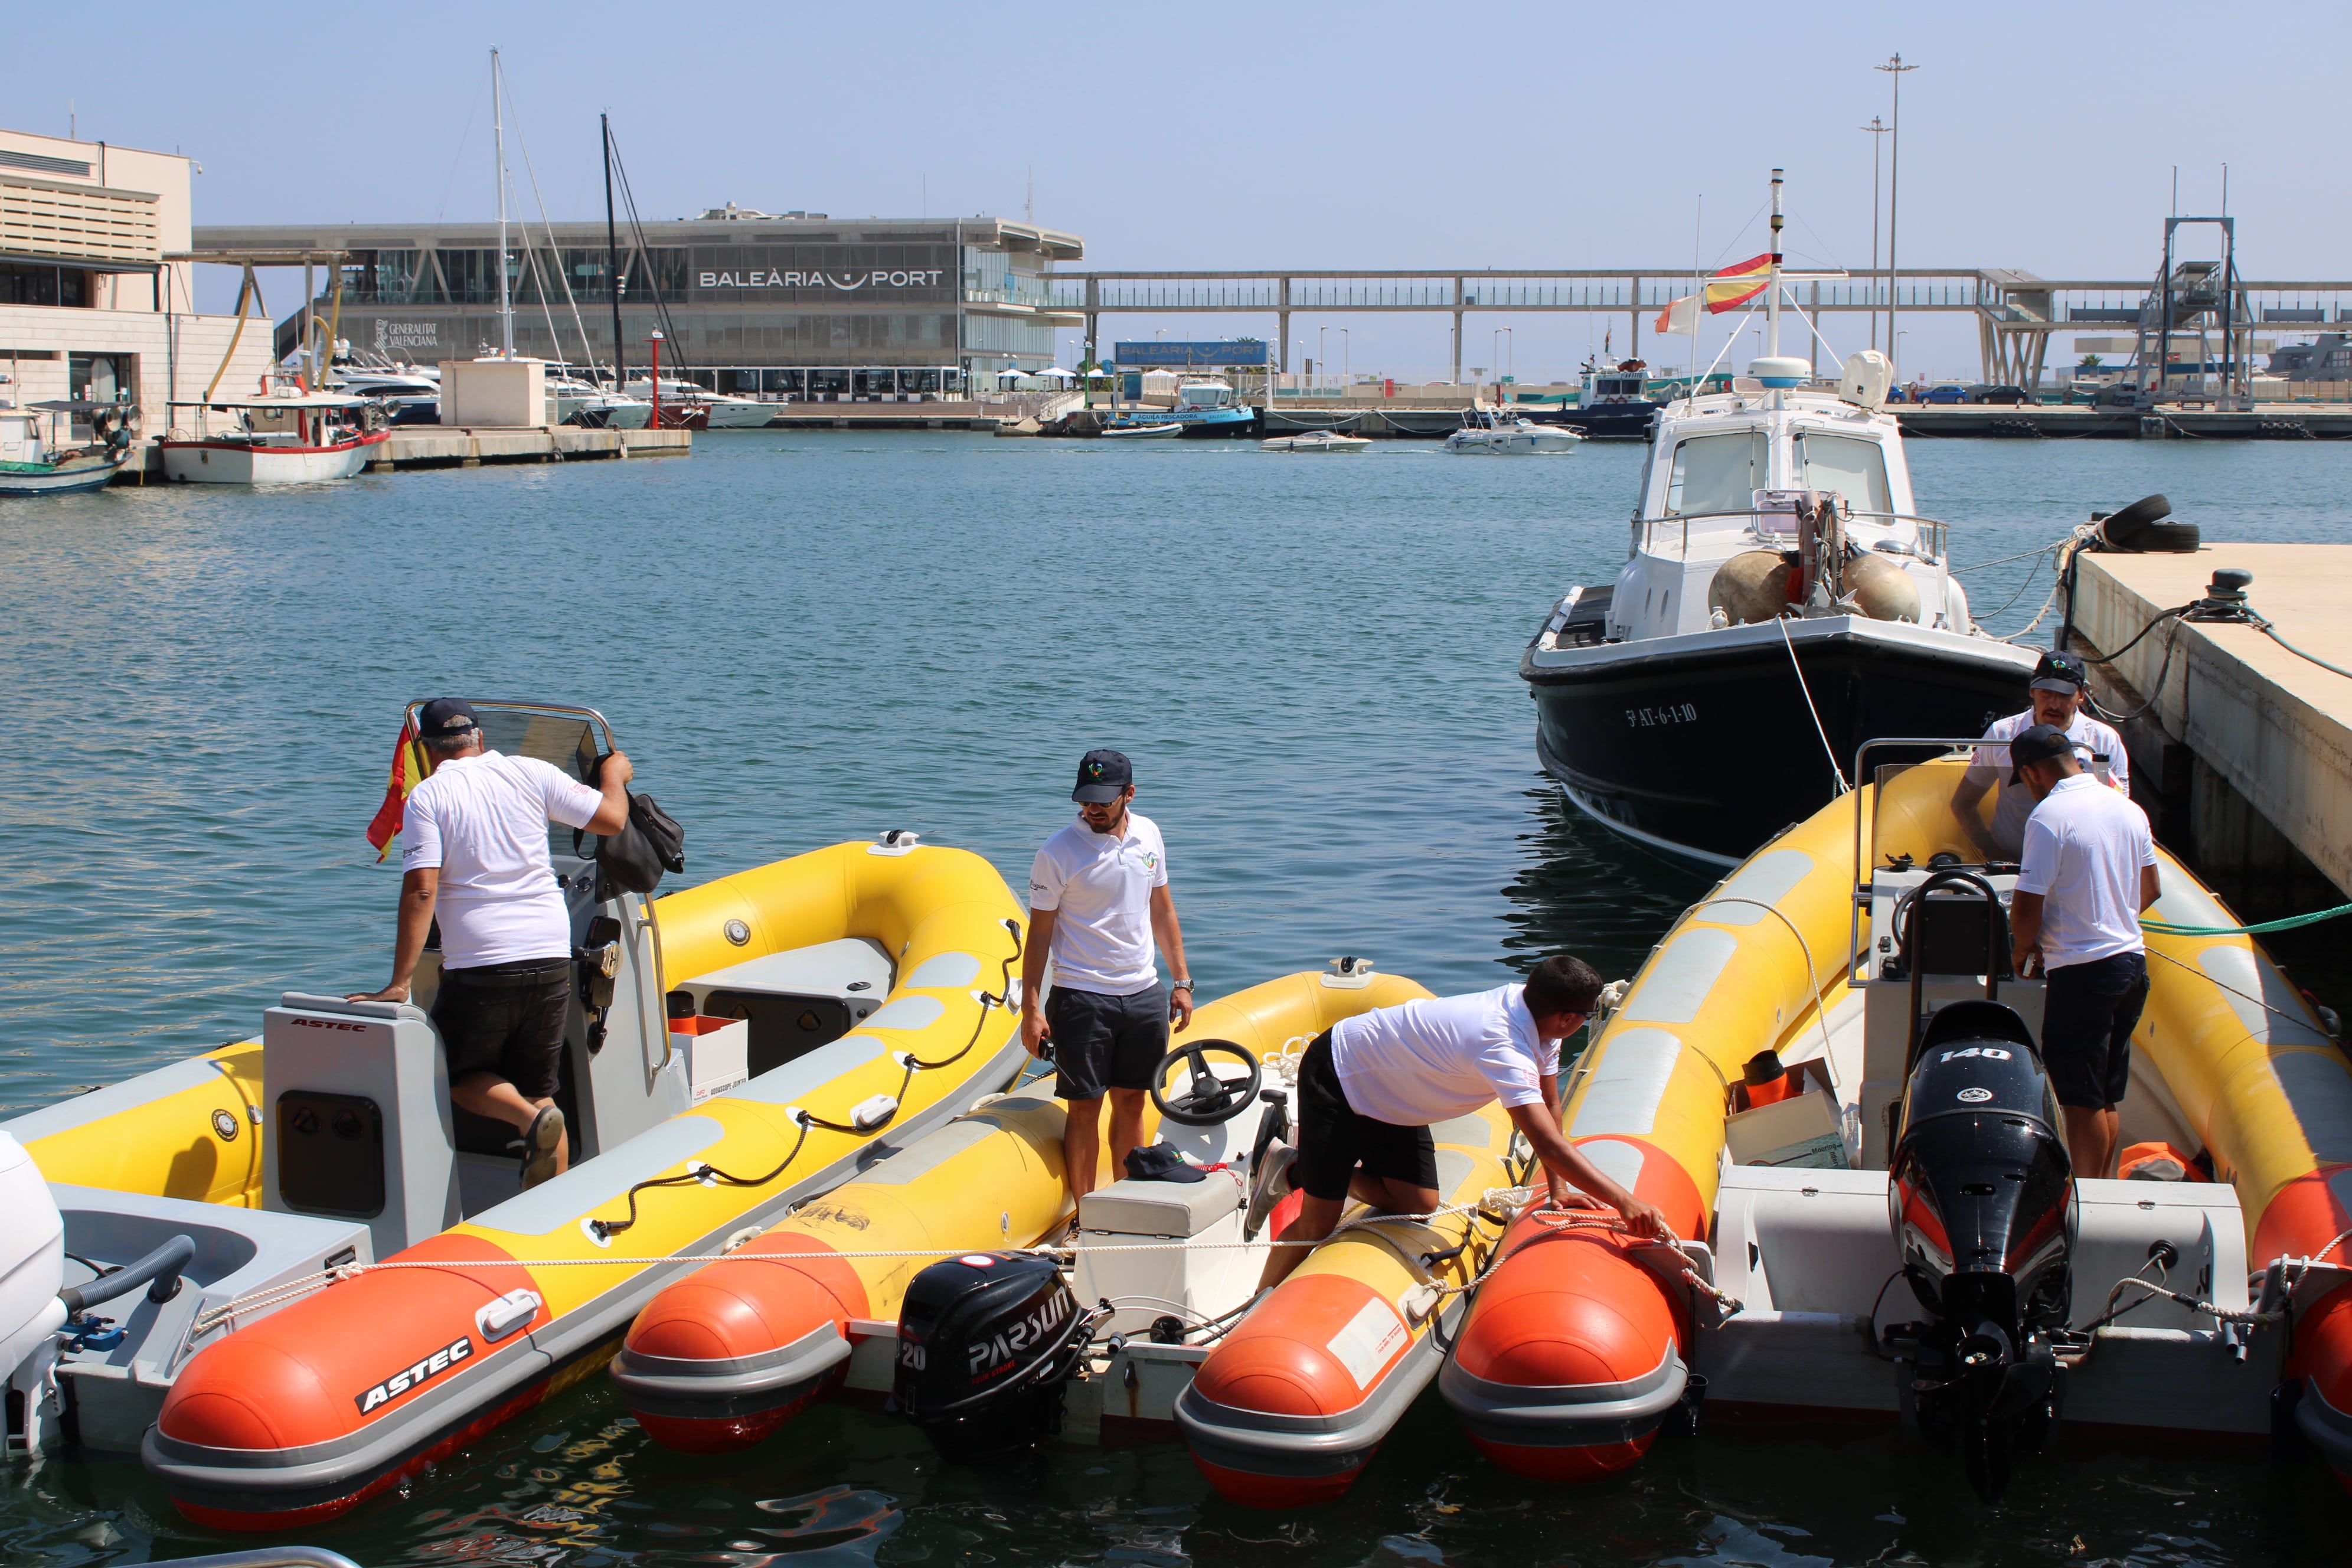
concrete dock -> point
(2168, 422)
(2244, 757)
(470, 447)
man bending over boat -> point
(1098, 898)
(1370, 1087)
(2061, 685)
(474, 849)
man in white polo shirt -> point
(2088, 870)
(474, 851)
(1098, 898)
(2059, 687)
(1370, 1086)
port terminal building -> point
(94, 283)
(795, 305)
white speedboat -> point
(1142, 432)
(576, 401)
(726, 410)
(1485, 433)
(410, 396)
(1314, 441)
(289, 437)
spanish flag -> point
(407, 773)
(1738, 283)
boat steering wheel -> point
(1211, 1097)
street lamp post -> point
(1346, 362)
(1893, 68)
(1319, 357)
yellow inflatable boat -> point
(1881, 1210)
(733, 1049)
(1159, 1273)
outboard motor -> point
(1981, 1197)
(986, 1344)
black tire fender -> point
(2122, 529)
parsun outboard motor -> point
(986, 1344)
(1980, 1197)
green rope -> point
(2166, 928)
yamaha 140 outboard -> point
(986, 1344)
(1980, 1197)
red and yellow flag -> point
(407, 773)
(1735, 285)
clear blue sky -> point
(2037, 136)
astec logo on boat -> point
(409, 1377)
(847, 282)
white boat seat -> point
(1131, 1208)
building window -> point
(39, 283)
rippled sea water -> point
(806, 637)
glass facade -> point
(773, 309)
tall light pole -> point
(1318, 350)
(1346, 361)
(1877, 128)
(1893, 68)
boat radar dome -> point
(1779, 370)
(1864, 379)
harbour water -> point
(802, 637)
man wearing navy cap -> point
(2060, 687)
(1099, 897)
(2089, 869)
(474, 852)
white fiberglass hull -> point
(1511, 443)
(246, 463)
(744, 415)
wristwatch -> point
(1179, 985)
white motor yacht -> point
(726, 410)
(1487, 434)
(575, 400)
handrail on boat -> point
(1860, 898)
(271, 1557)
(1934, 531)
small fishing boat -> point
(1315, 441)
(287, 438)
(1202, 409)
(37, 463)
(1827, 1078)
(1487, 434)
(1141, 1283)
(1127, 430)
(1613, 402)
(732, 1050)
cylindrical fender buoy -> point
(1575, 1347)
(722, 1358)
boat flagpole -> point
(1773, 299)
(498, 135)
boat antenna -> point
(1772, 300)
(498, 134)
(613, 257)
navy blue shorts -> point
(2088, 1013)
(1334, 1139)
(506, 1019)
(1106, 1042)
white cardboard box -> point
(717, 1052)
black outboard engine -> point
(1980, 1197)
(986, 1344)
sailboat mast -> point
(499, 131)
(611, 256)
(1772, 296)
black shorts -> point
(2088, 1013)
(1335, 1138)
(505, 1018)
(1106, 1042)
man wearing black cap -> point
(2060, 686)
(1098, 898)
(474, 851)
(2087, 871)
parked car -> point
(2010, 395)
(1950, 393)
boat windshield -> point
(1855, 471)
(1717, 473)
(1912, 807)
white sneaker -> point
(1269, 1184)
